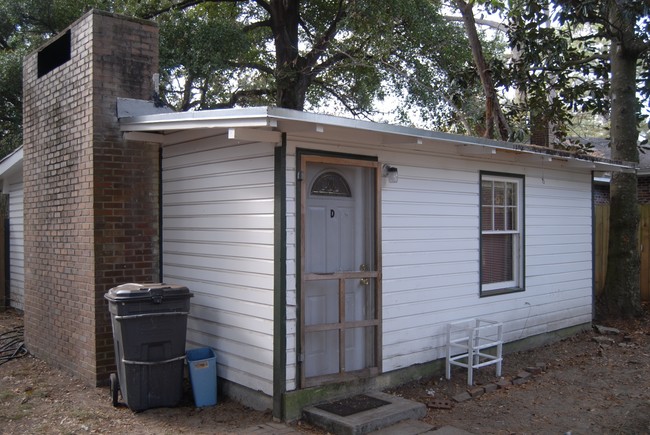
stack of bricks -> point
(91, 198)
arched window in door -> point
(331, 184)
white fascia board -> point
(222, 118)
(256, 117)
(254, 135)
(472, 145)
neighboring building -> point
(11, 180)
(325, 255)
(601, 180)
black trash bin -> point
(149, 327)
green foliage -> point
(10, 101)
(349, 54)
(200, 47)
(427, 66)
(25, 25)
(562, 61)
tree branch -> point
(46, 25)
(338, 96)
(331, 61)
(187, 93)
(180, 5)
(252, 65)
(493, 114)
(483, 22)
(320, 45)
(241, 94)
(264, 5)
(572, 63)
(462, 117)
(257, 25)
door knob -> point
(364, 268)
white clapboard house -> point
(11, 180)
(327, 255)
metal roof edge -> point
(130, 107)
(10, 169)
(442, 136)
(269, 115)
(11, 161)
(161, 120)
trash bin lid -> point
(137, 292)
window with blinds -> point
(501, 233)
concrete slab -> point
(398, 409)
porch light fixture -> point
(389, 172)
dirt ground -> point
(592, 383)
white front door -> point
(340, 279)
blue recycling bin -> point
(202, 363)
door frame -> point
(305, 157)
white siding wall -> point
(218, 241)
(16, 247)
(431, 256)
(292, 275)
(430, 244)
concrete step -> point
(397, 409)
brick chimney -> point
(91, 198)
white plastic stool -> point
(468, 341)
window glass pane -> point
(496, 258)
(512, 219)
(486, 218)
(486, 192)
(331, 184)
(499, 193)
(511, 194)
(499, 218)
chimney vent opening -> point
(54, 55)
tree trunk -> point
(494, 118)
(622, 282)
(291, 78)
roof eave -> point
(269, 117)
(11, 169)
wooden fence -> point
(601, 237)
